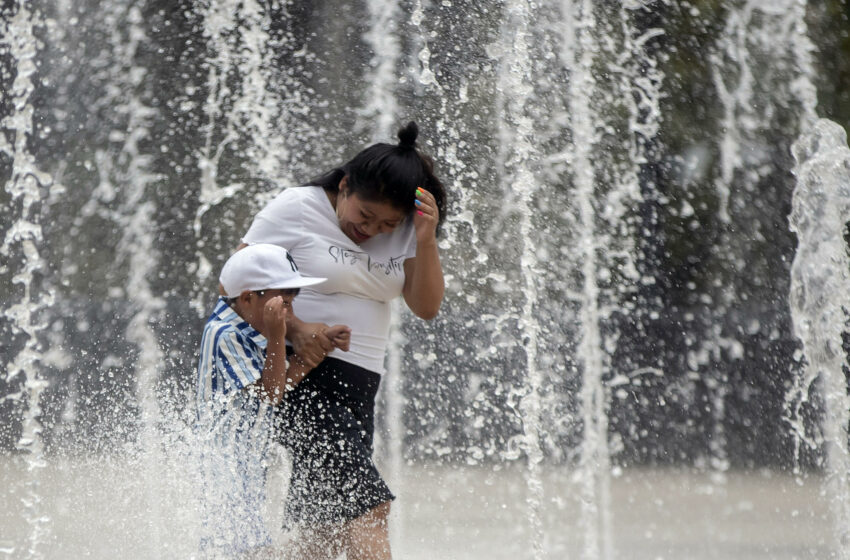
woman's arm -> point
(311, 341)
(423, 283)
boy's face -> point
(250, 306)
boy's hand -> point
(340, 336)
(274, 316)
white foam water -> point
(27, 186)
(820, 284)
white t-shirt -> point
(362, 279)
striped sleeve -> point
(239, 367)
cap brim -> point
(302, 282)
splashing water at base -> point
(660, 514)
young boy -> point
(242, 374)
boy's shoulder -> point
(215, 324)
(226, 326)
(224, 321)
(221, 313)
(232, 353)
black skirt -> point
(328, 423)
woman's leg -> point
(368, 536)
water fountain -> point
(615, 371)
(820, 271)
(26, 186)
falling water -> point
(241, 108)
(518, 128)
(242, 103)
(738, 124)
(131, 171)
(820, 284)
(594, 464)
(27, 186)
(734, 98)
(377, 118)
(754, 31)
(381, 110)
(802, 87)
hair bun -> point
(407, 136)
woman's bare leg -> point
(368, 536)
(319, 543)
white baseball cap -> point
(262, 266)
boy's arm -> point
(296, 371)
(273, 380)
(277, 378)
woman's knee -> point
(382, 510)
(375, 517)
(368, 535)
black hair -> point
(389, 173)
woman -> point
(370, 228)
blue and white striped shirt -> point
(234, 428)
(232, 355)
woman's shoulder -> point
(306, 194)
(296, 193)
(285, 217)
(293, 198)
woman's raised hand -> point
(426, 217)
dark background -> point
(692, 308)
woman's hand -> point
(313, 341)
(425, 217)
(423, 274)
(340, 335)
